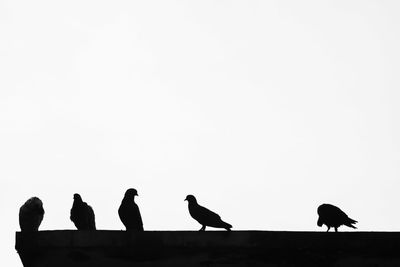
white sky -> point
(261, 109)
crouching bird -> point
(82, 215)
(205, 216)
(31, 215)
(129, 212)
(332, 216)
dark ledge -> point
(213, 248)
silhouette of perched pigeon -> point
(129, 212)
(205, 216)
(82, 214)
(332, 216)
(31, 215)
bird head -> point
(35, 203)
(190, 199)
(38, 203)
(131, 193)
(77, 197)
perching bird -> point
(31, 215)
(332, 216)
(82, 214)
(129, 212)
(205, 216)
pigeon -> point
(205, 216)
(31, 215)
(332, 216)
(129, 212)
(82, 214)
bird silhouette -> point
(82, 214)
(332, 216)
(31, 215)
(205, 216)
(129, 212)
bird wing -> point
(91, 218)
(138, 213)
(130, 215)
(332, 215)
(73, 213)
(82, 216)
(138, 216)
(205, 216)
(342, 217)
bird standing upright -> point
(332, 216)
(31, 215)
(129, 211)
(82, 215)
(205, 216)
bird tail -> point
(350, 223)
(227, 226)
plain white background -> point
(261, 109)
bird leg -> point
(203, 228)
(335, 229)
(328, 229)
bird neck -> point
(129, 199)
(77, 202)
(192, 203)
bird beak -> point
(185, 199)
(136, 194)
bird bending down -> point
(31, 215)
(129, 212)
(82, 215)
(205, 216)
(332, 216)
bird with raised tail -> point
(205, 216)
(129, 212)
(82, 215)
(31, 215)
(332, 216)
